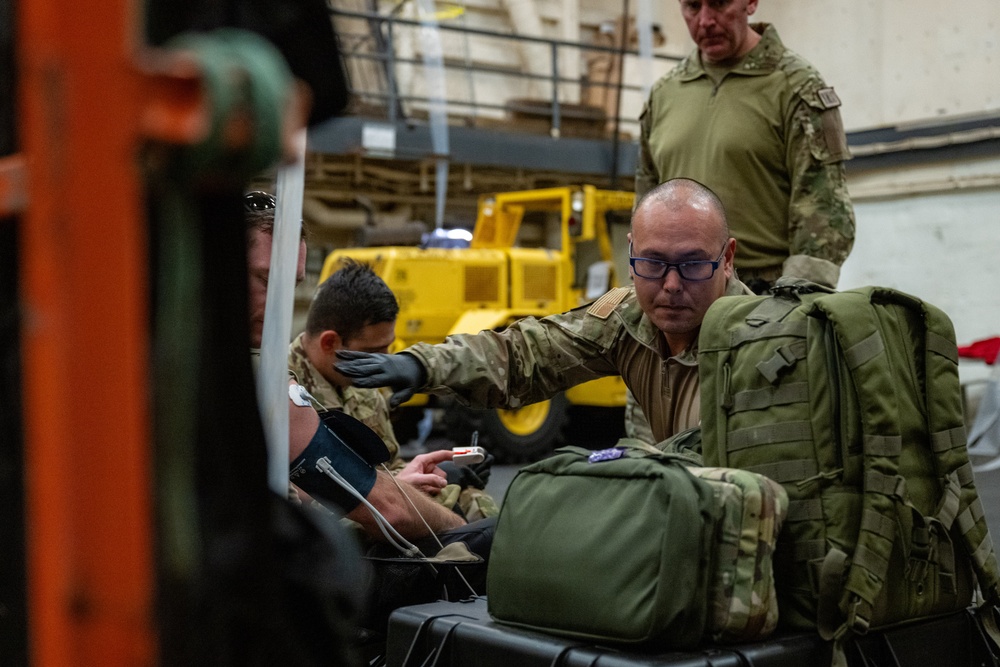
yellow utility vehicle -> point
(532, 252)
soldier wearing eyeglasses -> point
(682, 261)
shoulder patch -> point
(828, 97)
(603, 307)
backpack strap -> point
(949, 443)
(960, 505)
(855, 326)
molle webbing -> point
(972, 514)
(758, 399)
(949, 439)
(810, 509)
(824, 393)
(770, 330)
(769, 434)
(938, 344)
(785, 472)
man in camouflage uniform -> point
(682, 261)
(414, 520)
(355, 310)
(755, 123)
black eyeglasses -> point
(656, 269)
(258, 201)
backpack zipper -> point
(836, 394)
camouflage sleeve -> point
(529, 361)
(820, 215)
(647, 176)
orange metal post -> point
(84, 285)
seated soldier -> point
(404, 504)
(355, 310)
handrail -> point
(393, 101)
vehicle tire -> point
(512, 436)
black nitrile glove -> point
(367, 370)
(483, 469)
(476, 475)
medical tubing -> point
(433, 534)
(324, 466)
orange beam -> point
(12, 190)
(84, 284)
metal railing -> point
(377, 46)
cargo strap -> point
(243, 73)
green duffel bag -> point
(609, 546)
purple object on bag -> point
(606, 454)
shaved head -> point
(680, 193)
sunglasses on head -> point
(258, 201)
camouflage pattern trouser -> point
(473, 503)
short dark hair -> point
(349, 300)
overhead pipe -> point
(430, 39)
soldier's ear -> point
(330, 341)
(730, 256)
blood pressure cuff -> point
(325, 444)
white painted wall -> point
(941, 243)
(896, 61)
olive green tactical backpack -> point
(852, 402)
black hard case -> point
(461, 634)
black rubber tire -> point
(506, 445)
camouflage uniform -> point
(371, 407)
(534, 359)
(368, 406)
(768, 139)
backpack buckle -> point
(784, 357)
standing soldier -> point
(755, 123)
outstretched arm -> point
(388, 499)
(529, 361)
